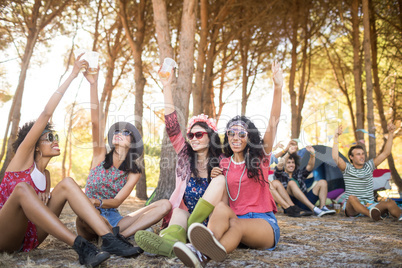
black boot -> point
(116, 244)
(88, 253)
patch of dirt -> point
(331, 241)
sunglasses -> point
(198, 135)
(50, 137)
(124, 132)
(240, 133)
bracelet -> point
(100, 204)
(58, 92)
(313, 153)
(284, 152)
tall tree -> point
(369, 78)
(183, 84)
(33, 20)
(135, 36)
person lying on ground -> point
(358, 177)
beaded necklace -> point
(226, 180)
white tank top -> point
(38, 178)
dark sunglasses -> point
(198, 135)
(124, 132)
(242, 133)
(50, 137)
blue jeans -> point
(270, 218)
(112, 215)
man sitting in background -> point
(358, 177)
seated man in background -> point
(358, 177)
(293, 180)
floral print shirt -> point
(105, 183)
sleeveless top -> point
(10, 180)
(105, 183)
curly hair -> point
(253, 153)
(295, 158)
(23, 132)
(214, 151)
(129, 164)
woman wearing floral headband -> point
(29, 212)
(249, 218)
(195, 161)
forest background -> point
(341, 59)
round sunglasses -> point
(124, 132)
(242, 134)
(50, 137)
(198, 135)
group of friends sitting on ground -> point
(223, 197)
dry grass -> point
(332, 241)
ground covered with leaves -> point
(331, 241)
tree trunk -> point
(357, 71)
(15, 111)
(244, 48)
(140, 81)
(379, 96)
(369, 79)
(202, 48)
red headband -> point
(202, 118)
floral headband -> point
(202, 118)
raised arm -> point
(388, 146)
(97, 121)
(284, 150)
(167, 93)
(24, 154)
(311, 161)
(282, 162)
(335, 151)
(270, 133)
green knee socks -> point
(201, 211)
(175, 233)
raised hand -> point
(277, 75)
(166, 81)
(78, 64)
(92, 78)
(278, 145)
(292, 149)
(310, 149)
(339, 131)
(391, 128)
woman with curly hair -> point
(195, 195)
(114, 175)
(29, 212)
(249, 218)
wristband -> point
(100, 204)
(284, 152)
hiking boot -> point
(153, 243)
(303, 212)
(292, 212)
(203, 240)
(88, 254)
(189, 255)
(116, 244)
(329, 211)
(375, 214)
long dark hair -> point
(253, 152)
(214, 151)
(129, 164)
(23, 132)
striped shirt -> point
(359, 182)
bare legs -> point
(230, 230)
(144, 217)
(321, 190)
(294, 190)
(354, 207)
(280, 194)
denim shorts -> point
(270, 218)
(112, 215)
